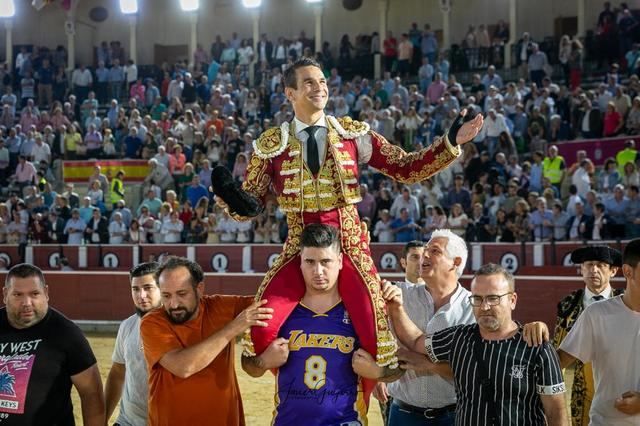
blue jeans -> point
(400, 417)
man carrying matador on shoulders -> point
(311, 164)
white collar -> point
(300, 126)
(588, 294)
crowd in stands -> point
(509, 185)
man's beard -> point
(183, 318)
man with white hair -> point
(117, 229)
(158, 175)
(162, 157)
(441, 303)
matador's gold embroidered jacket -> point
(278, 165)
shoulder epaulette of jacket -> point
(269, 144)
(349, 128)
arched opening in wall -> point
(170, 53)
(352, 4)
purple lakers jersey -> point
(317, 385)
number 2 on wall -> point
(315, 372)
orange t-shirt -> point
(212, 395)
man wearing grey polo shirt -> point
(127, 381)
(421, 397)
(429, 399)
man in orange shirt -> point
(189, 348)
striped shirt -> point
(518, 374)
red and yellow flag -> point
(79, 171)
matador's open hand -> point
(465, 127)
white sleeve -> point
(118, 350)
(579, 343)
(365, 148)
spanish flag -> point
(79, 171)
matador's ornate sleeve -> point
(259, 171)
(411, 167)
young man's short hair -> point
(146, 268)
(290, 78)
(319, 235)
(411, 245)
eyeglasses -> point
(492, 299)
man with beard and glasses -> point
(128, 379)
(189, 349)
(42, 353)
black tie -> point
(597, 297)
(313, 160)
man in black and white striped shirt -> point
(499, 379)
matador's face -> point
(311, 93)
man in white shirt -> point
(227, 227)
(382, 229)
(40, 151)
(606, 334)
(127, 381)
(439, 304)
(81, 81)
(494, 124)
(172, 230)
(117, 229)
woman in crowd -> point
(457, 220)
(609, 176)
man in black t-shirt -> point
(42, 353)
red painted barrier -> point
(99, 296)
(597, 150)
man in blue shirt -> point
(541, 221)
(405, 228)
(196, 191)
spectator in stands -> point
(580, 226)
(613, 122)
(97, 230)
(172, 229)
(541, 221)
(491, 78)
(125, 213)
(616, 207)
(367, 206)
(151, 202)
(382, 230)
(74, 228)
(404, 227)
(536, 64)
(458, 194)
(196, 191)
(25, 173)
(457, 221)
(627, 155)
(559, 221)
(609, 177)
(227, 228)
(405, 200)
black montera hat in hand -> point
(600, 253)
